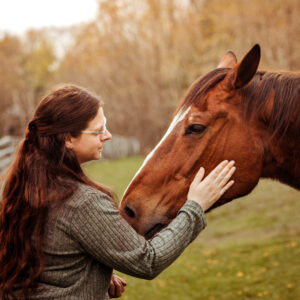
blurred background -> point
(140, 56)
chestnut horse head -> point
(233, 113)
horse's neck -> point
(282, 160)
(282, 152)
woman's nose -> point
(106, 136)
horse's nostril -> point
(129, 212)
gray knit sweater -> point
(87, 238)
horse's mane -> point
(285, 87)
(200, 87)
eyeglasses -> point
(97, 132)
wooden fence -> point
(120, 146)
(117, 147)
(7, 150)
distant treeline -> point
(141, 56)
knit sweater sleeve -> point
(101, 231)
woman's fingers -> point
(216, 174)
(199, 176)
(224, 171)
(218, 169)
(226, 174)
(226, 187)
(111, 290)
(206, 192)
(119, 289)
(123, 281)
(116, 287)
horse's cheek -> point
(248, 154)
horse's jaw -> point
(282, 162)
(285, 176)
(226, 200)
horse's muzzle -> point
(145, 225)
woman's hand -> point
(206, 192)
(116, 287)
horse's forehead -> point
(210, 101)
(180, 116)
(199, 116)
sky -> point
(17, 16)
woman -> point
(60, 233)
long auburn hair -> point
(43, 172)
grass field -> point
(249, 250)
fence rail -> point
(7, 150)
(120, 146)
(117, 147)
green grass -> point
(249, 250)
(114, 173)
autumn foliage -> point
(141, 56)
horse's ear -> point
(244, 71)
(229, 60)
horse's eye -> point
(195, 129)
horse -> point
(233, 112)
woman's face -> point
(88, 146)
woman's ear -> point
(69, 142)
